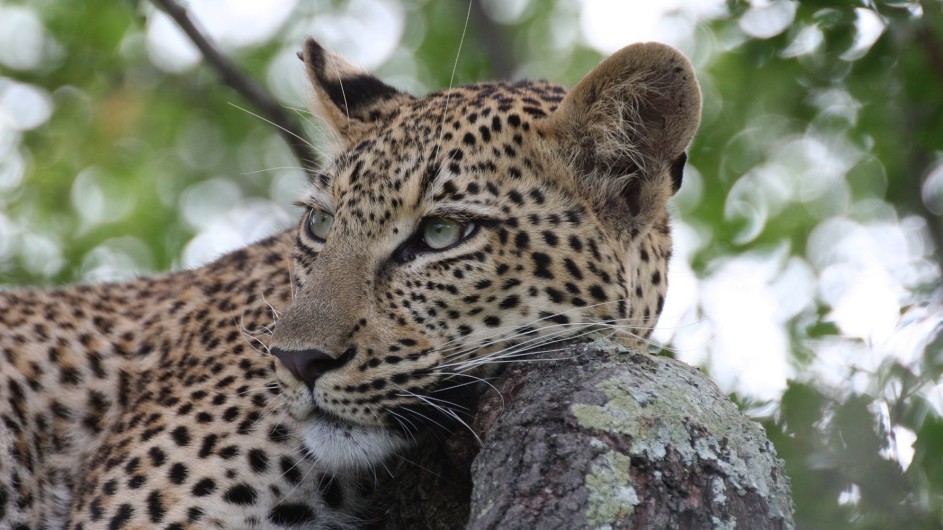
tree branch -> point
(495, 43)
(233, 77)
(931, 47)
(599, 437)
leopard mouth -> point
(321, 415)
(341, 445)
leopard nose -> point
(309, 365)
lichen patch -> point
(660, 411)
(611, 495)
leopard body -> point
(259, 390)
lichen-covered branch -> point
(605, 439)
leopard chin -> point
(341, 446)
(336, 443)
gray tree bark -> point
(600, 438)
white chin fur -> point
(349, 447)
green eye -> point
(319, 224)
(439, 233)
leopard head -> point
(461, 230)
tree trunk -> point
(601, 438)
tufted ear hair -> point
(625, 127)
(347, 98)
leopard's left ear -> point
(625, 127)
(347, 98)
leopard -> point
(448, 235)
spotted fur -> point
(159, 402)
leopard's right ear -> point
(347, 98)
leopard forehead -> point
(456, 146)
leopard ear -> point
(347, 98)
(625, 127)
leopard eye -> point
(319, 224)
(439, 233)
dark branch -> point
(931, 47)
(494, 41)
(232, 77)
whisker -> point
(276, 168)
(474, 380)
(423, 416)
(447, 411)
(407, 393)
(536, 339)
(499, 337)
(277, 126)
(497, 332)
(523, 349)
(448, 94)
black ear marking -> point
(348, 90)
(300, 55)
(677, 172)
(314, 54)
(357, 92)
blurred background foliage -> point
(807, 274)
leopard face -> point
(460, 231)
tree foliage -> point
(820, 161)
